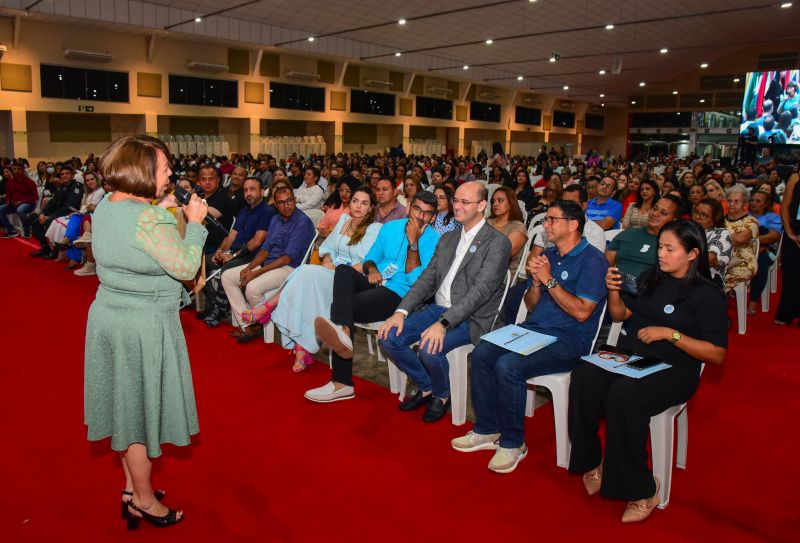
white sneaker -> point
(88, 269)
(475, 442)
(334, 337)
(84, 241)
(328, 393)
(506, 460)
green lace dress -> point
(137, 379)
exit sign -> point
(86, 109)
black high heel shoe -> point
(158, 493)
(159, 522)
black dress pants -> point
(38, 230)
(627, 404)
(356, 300)
(217, 304)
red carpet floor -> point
(270, 466)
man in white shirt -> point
(309, 195)
(466, 278)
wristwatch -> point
(675, 337)
(445, 323)
(413, 247)
(551, 283)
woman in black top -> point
(789, 307)
(679, 316)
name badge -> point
(472, 249)
(389, 271)
(340, 260)
(669, 309)
(645, 248)
(564, 275)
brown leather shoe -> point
(592, 480)
(236, 332)
(250, 333)
(641, 509)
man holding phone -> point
(404, 248)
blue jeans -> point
(428, 371)
(21, 210)
(72, 233)
(499, 385)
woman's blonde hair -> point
(361, 229)
(130, 164)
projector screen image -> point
(770, 107)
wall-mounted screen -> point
(372, 103)
(563, 119)
(482, 111)
(771, 105)
(434, 108)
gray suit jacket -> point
(477, 286)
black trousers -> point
(627, 405)
(762, 275)
(216, 300)
(38, 230)
(789, 306)
(356, 300)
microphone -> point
(183, 196)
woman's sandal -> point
(637, 512)
(159, 522)
(159, 494)
(249, 316)
(303, 363)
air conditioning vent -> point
(616, 65)
(438, 90)
(305, 76)
(531, 100)
(489, 95)
(206, 66)
(92, 56)
(378, 83)
(566, 105)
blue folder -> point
(518, 339)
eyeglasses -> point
(457, 201)
(442, 197)
(421, 211)
(552, 220)
(286, 202)
(607, 185)
(699, 215)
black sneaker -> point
(39, 253)
(11, 234)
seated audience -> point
(65, 230)
(638, 212)
(695, 194)
(21, 198)
(308, 291)
(337, 204)
(566, 298)
(551, 194)
(235, 192)
(708, 214)
(309, 194)
(402, 250)
(602, 209)
(219, 206)
(466, 285)
(635, 249)
(678, 316)
(714, 190)
(389, 209)
(506, 218)
(66, 199)
(445, 215)
(523, 189)
(770, 230)
(288, 236)
(744, 230)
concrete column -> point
(254, 143)
(579, 149)
(461, 137)
(338, 136)
(406, 136)
(19, 127)
(507, 146)
(151, 123)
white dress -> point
(308, 291)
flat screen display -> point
(770, 106)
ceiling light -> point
(489, 42)
(786, 5)
(602, 105)
(674, 92)
(520, 78)
(552, 59)
(602, 95)
(531, 1)
(566, 87)
(642, 83)
(735, 79)
(198, 19)
(664, 51)
(311, 38)
(702, 100)
(633, 102)
(465, 67)
(397, 54)
(602, 72)
(401, 22)
(704, 65)
(609, 27)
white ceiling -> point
(525, 34)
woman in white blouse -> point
(638, 212)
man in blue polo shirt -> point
(289, 234)
(603, 209)
(566, 297)
(238, 248)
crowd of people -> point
(427, 245)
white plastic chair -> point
(611, 234)
(315, 215)
(740, 291)
(524, 211)
(772, 279)
(558, 385)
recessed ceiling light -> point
(786, 5)
(704, 65)
(602, 95)
(198, 19)
(664, 51)
(674, 92)
(609, 27)
(566, 87)
(489, 41)
(531, 1)
(465, 67)
(311, 38)
(702, 100)
(401, 22)
(642, 83)
(602, 72)
(602, 105)
(735, 79)
(397, 54)
(520, 78)
(552, 59)
(633, 102)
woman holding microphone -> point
(137, 381)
